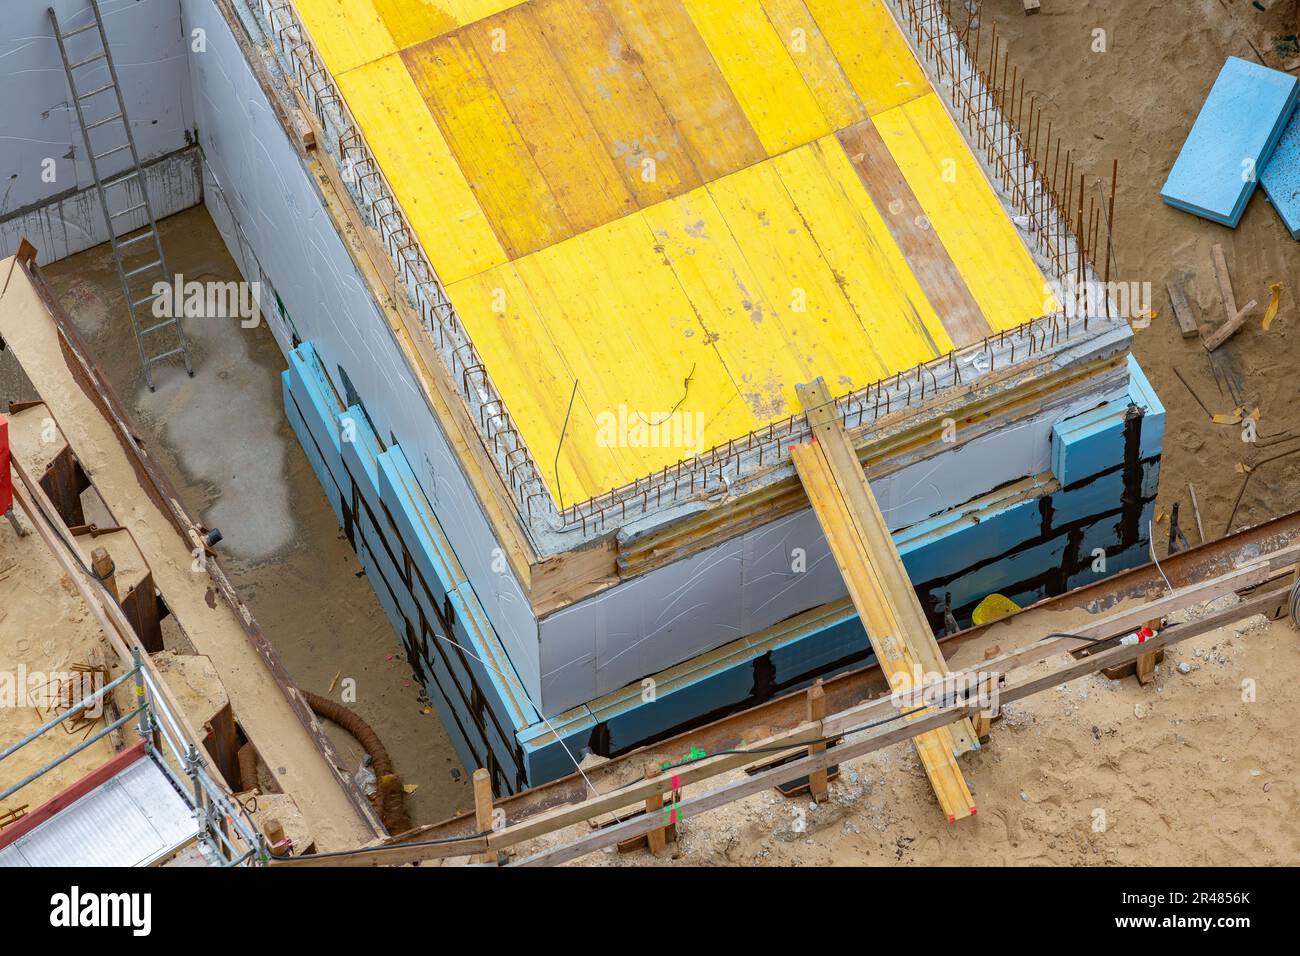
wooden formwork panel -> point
(681, 206)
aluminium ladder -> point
(153, 345)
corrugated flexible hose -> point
(391, 798)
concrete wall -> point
(44, 173)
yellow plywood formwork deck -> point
(680, 207)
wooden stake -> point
(1145, 666)
(654, 808)
(1236, 319)
(483, 810)
(1196, 513)
(817, 783)
(105, 570)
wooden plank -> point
(413, 22)
(346, 35)
(930, 262)
(818, 785)
(702, 107)
(812, 322)
(934, 748)
(483, 810)
(872, 52)
(1225, 282)
(870, 526)
(631, 339)
(654, 808)
(892, 309)
(1182, 310)
(486, 143)
(612, 86)
(758, 67)
(570, 155)
(427, 182)
(1236, 318)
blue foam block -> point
(1231, 141)
(1281, 176)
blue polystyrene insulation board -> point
(415, 520)
(360, 448)
(1281, 176)
(1231, 141)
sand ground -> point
(225, 444)
(1181, 772)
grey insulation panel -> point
(42, 163)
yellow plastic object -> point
(1271, 313)
(993, 608)
(965, 213)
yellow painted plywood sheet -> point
(757, 65)
(421, 170)
(738, 318)
(535, 383)
(413, 21)
(482, 136)
(688, 83)
(964, 211)
(630, 336)
(347, 33)
(857, 244)
(613, 88)
(816, 62)
(872, 52)
(549, 118)
(812, 327)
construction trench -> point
(564, 528)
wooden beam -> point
(654, 811)
(870, 525)
(837, 501)
(1182, 310)
(1236, 318)
(483, 809)
(818, 785)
